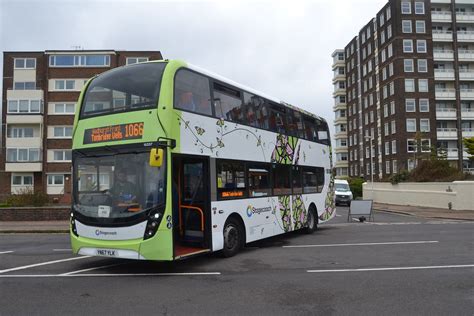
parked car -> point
(343, 192)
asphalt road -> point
(409, 266)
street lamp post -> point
(371, 138)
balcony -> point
(467, 94)
(24, 142)
(339, 91)
(466, 74)
(451, 153)
(23, 167)
(446, 114)
(340, 120)
(467, 114)
(465, 36)
(441, 16)
(443, 55)
(24, 118)
(339, 77)
(465, 17)
(447, 133)
(467, 132)
(445, 94)
(466, 55)
(442, 36)
(444, 74)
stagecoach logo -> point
(253, 210)
(99, 232)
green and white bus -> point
(170, 161)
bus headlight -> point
(73, 225)
(154, 220)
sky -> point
(281, 48)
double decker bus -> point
(170, 161)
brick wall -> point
(34, 214)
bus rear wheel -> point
(233, 238)
(311, 222)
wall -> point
(429, 194)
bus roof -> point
(243, 87)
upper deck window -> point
(122, 89)
(79, 61)
(192, 92)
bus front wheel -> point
(233, 238)
(311, 222)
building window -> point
(408, 65)
(424, 125)
(55, 179)
(425, 145)
(22, 179)
(62, 155)
(389, 31)
(406, 7)
(422, 85)
(26, 85)
(407, 46)
(422, 65)
(382, 37)
(419, 7)
(386, 129)
(394, 146)
(387, 167)
(388, 13)
(424, 105)
(387, 148)
(23, 155)
(25, 63)
(406, 26)
(24, 106)
(79, 60)
(420, 27)
(393, 127)
(390, 50)
(411, 164)
(392, 107)
(385, 110)
(381, 19)
(411, 145)
(62, 131)
(390, 69)
(64, 84)
(19, 132)
(394, 166)
(410, 105)
(411, 125)
(409, 85)
(421, 46)
(64, 108)
(136, 60)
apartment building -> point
(40, 91)
(410, 86)
(340, 113)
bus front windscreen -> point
(117, 186)
(123, 89)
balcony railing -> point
(467, 93)
(466, 74)
(466, 36)
(442, 35)
(443, 54)
(446, 113)
(467, 113)
(441, 16)
(467, 132)
(465, 16)
(444, 74)
(466, 55)
(445, 93)
(445, 133)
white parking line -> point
(108, 275)
(4, 252)
(394, 268)
(366, 244)
(62, 249)
(41, 264)
(90, 269)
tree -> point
(469, 146)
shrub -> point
(27, 197)
(356, 186)
(435, 170)
(402, 176)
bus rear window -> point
(123, 89)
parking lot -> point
(395, 265)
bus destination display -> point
(113, 133)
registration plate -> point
(107, 252)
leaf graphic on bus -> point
(219, 143)
(199, 130)
(284, 149)
(220, 122)
(285, 211)
(259, 141)
(299, 212)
